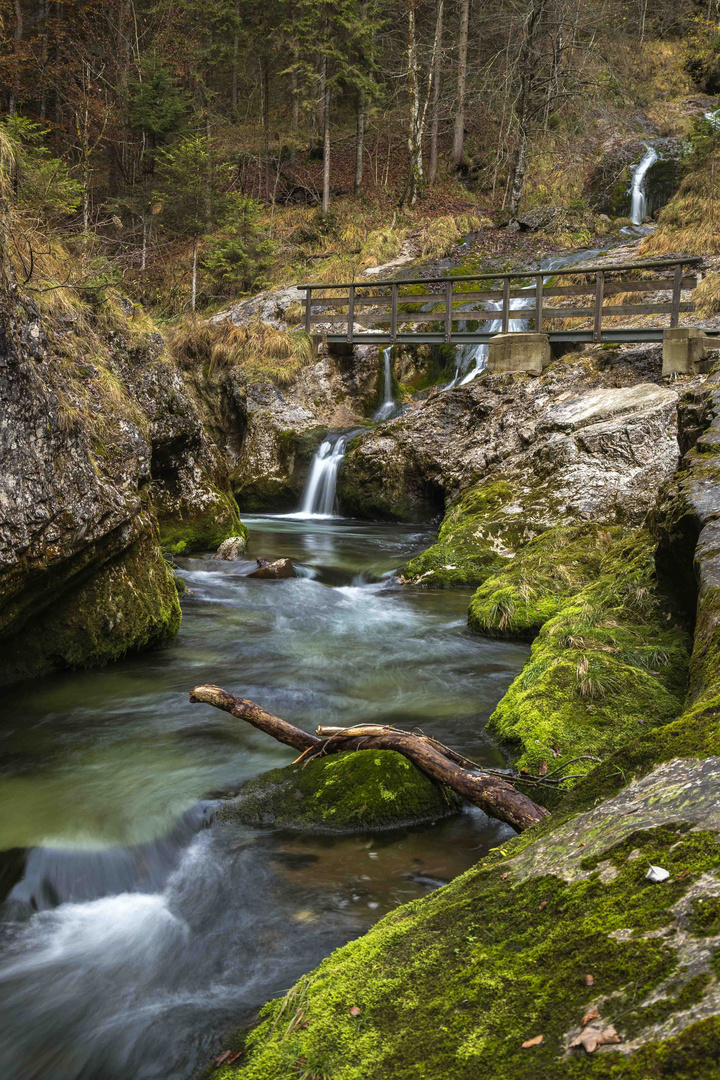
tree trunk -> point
(266, 126)
(326, 150)
(435, 96)
(359, 143)
(491, 793)
(17, 39)
(236, 53)
(459, 133)
(526, 66)
(193, 296)
(416, 179)
(44, 53)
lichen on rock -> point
(352, 792)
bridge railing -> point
(452, 300)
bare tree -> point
(459, 133)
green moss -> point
(540, 579)
(130, 605)
(452, 985)
(204, 528)
(476, 539)
(353, 792)
(610, 662)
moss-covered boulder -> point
(477, 538)
(541, 578)
(201, 525)
(128, 606)
(353, 792)
(611, 662)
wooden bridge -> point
(389, 312)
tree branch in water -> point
(491, 793)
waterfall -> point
(319, 495)
(388, 406)
(637, 188)
(470, 360)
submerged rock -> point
(363, 790)
(232, 548)
(280, 568)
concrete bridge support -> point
(683, 349)
(519, 352)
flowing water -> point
(638, 186)
(319, 497)
(470, 360)
(388, 407)
(132, 936)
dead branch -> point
(493, 794)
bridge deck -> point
(382, 312)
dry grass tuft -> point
(262, 353)
(690, 223)
(707, 295)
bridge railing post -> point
(539, 286)
(506, 306)
(448, 310)
(393, 311)
(599, 294)
(308, 309)
(677, 295)
(351, 313)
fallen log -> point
(493, 794)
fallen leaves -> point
(543, 904)
(588, 980)
(355, 1011)
(533, 1042)
(593, 1036)
(591, 1014)
(542, 771)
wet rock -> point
(352, 792)
(508, 457)
(232, 548)
(280, 568)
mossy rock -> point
(202, 529)
(540, 579)
(476, 540)
(611, 662)
(359, 791)
(524, 945)
(130, 605)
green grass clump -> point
(540, 579)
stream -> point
(133, 937)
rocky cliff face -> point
(507, 457)
(101, 445)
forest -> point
(169, 135)
(359, 540)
